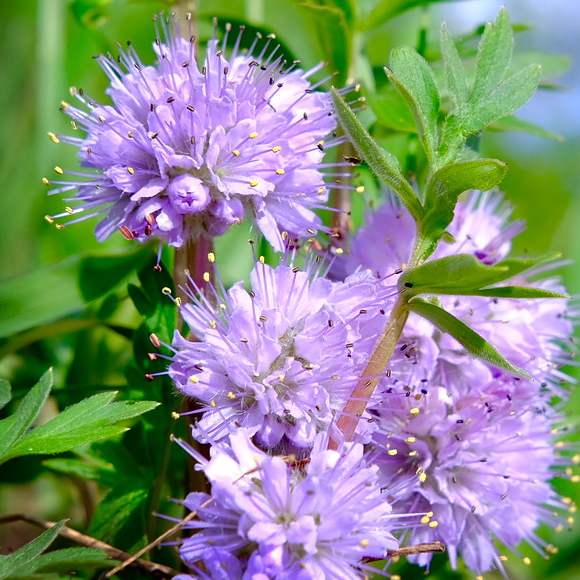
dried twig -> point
(155, 570)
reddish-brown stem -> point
(377, 365)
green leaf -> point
(61, 289)
(493, 58)
(91, 13)
(454, 73)
(504, 100)
(462, 274)
(511, 123)
(5, 393)
(12, 564)
(414, 79)
(98, 275)
(129, 496)
(65, 559)
(457, 274)
(518, 292)
(384, 165)
(443, 189)
(333, 23)
(392, 111)
(13, 428)
(92, 419)
(474, 343)
(384, 10)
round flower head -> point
(186, 151)
(279, 361)
(480, 469)
(533, 334)
(270, 517)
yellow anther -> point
(64, 105)
(339, 251)
(433, 524)
(69, 209)
(175, 415)
(415, 411)
(101, 118)
(213, 404)
(178, 301)
(236, 153)
(559, 528)
(526, 561)
(560, 444)
(193, 379)
(410, 440)
(573, 509)
(211, 257)
(206, 277)
(223, 306)
(575, 478)
(567, 500)
(166, 291)
(413, 453)
(45, 181)
(59, 226)
(392, 452)
(503, 558)
(48, 219)
(131, 171)
(364, 543)
(213, 323)
(576, 459)
(276, 149)
(130, 134)
(280, 172)
(479, 578)
(430, 514)
(360, 189)
(53, 137)
(231, 395)
(321, 189)
(570, 520)
(254, 183)
(335, 377)
(553, 431)
(261, 259)
(58, 170)
(395, 577)
(422, 477)
(253, 134)
(425, 520)
(569, 471)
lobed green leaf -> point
(384, 165)
(414, 79)
(453, 70)
(20, 560)
(13, 428)
(493, 58)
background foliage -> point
(87, 308)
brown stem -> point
(377, 365)
(155, 570)
(430, 548)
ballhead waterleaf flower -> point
(480, 467)
(278, 361)
(187, 150)
(274, 517)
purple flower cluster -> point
(186, 151)
(455, 437)
(464, 448)
(275, 518)
(278, 361)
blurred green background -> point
(47, 45)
